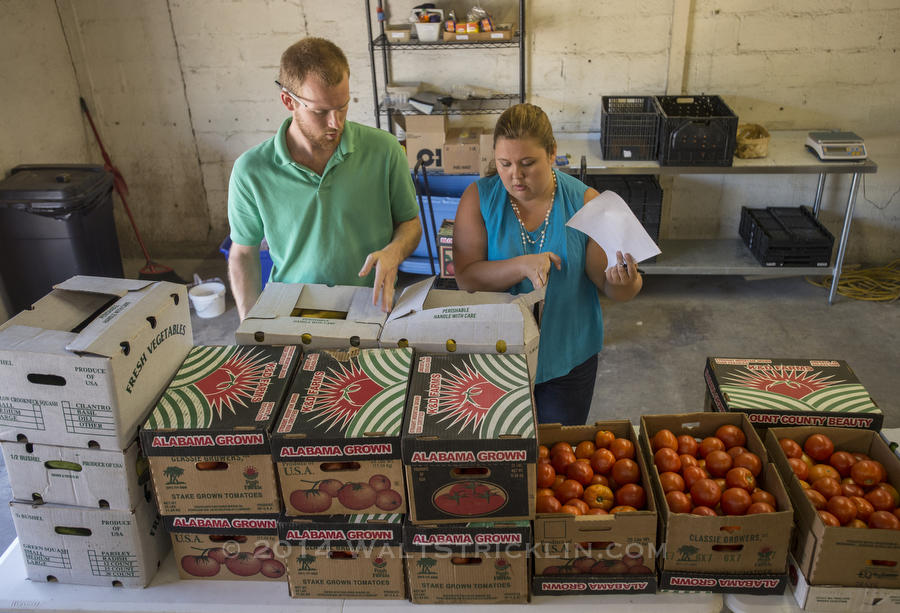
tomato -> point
(569, 489)
(599, 497)
(720, 481)
(735, 501)
(581, 471)
(667, 460)
(602, 461)
(842, 461)
(856, 523)
(585, 449)
(736, 451)
(581, 504)
(603, 439)
(263, 552)
(841, 507)
(622, 508)
(546, 475)
(678, 502)
(664, 439)
(687, 445)
(740, 477)
(631, 495)
(711, 443)
(570, 509)
(823, 470)
(561, 446)
(809, 461)
(310, 501)
(561, 460)
(200, 566)
(760, 507)
(827, 486)
(759, 495)
(867, 473)
(819, 447)
(859, 457)
(705, 511)
(881, 499)
(543, 452)
(800, 468)
(849, 488)
(687, 460)
(558, 481)
(330, 486)
(243, 564)
(864, 508)
(379, 482)
(357, 496)
(273, 569)
(671, 482)
(718, 463)
(893, 491)
(750, 461)
(625, 471)
(601, 479)
(597, 511)
(828, 519)
(622, 448)
(883, 520)
(706, 493)
(388, 500)
(692, 474)
(731, 435)
(791, 448)
(547, 504)
(816, 498)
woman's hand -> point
(536, 267)
(625, 271)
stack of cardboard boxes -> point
(452, 151)
(79, 372)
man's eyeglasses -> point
(300, 101)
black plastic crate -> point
(786, 236)
(629, 127)
(613, 183)
(696, 131)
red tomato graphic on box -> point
(470, 498)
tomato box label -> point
(208, 439)
(336, 444)
(791, 392)
(469, 438)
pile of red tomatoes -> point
(846, 488)
(595, 477)
(715, 475)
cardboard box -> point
(838, 598)
(313, 315)
(445, 249)
(612, 554)
(77, 476)
(467, 563)
(336, 444)
(397, 33)
(425, 138)
(345, 556)
(85, 364)
(437, 320)
(744, 554)
(497, 35)
(227, 547)
(468, 439)
(208, 439)
(108, 547)
(791, 392)
(486, 153)
(462, 155)
(840, 556)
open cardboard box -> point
(340, 429)
(441, 321)
(85, 364)
(563, 542)
(840, 556)
(839, 598)
(790, 392)
(744, 554)
(313, 315)
(208, 439)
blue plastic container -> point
(265, 260)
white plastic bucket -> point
(208, 299)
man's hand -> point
(386, 262)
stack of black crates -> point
(642, 193)
(786, 236)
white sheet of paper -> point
(608, 220)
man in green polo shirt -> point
(334, 199)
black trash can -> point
(56, 221)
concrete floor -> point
(657, 344)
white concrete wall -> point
(179, 88)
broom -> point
(151, 270)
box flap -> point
(102, 285)
(35, 340)
(277, 299)
(412, 299)
(362, 310)
(420, 296)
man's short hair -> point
(313, 56)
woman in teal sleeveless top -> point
(510, 235)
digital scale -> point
(836, 146)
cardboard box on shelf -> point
(227, 547)
(425, 138)
(397, 33)
(485, 153)
(336, 443)
(313, 315)
(84, 365)
(503, 32)
(77, 476)
(208, 439)
(90, 546)
(345, 556)
(839, 598)
(745, 554)
(445, 249)
(840, 555)
(468, 439)
(437, 320)
(790, 392)
(595, 553)
(471, 563)
(462, 155)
